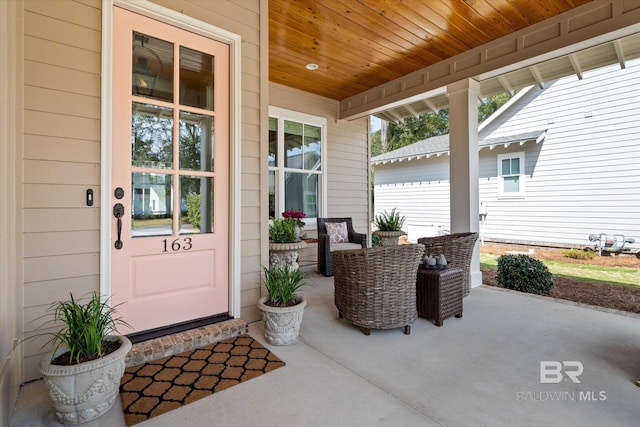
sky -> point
(375, 124)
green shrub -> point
(282, 230)
(578, 254)
(525, 274)
(193, 210)
(389, 221)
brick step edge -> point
(170, 345)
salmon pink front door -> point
(170, 174)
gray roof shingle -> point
(440, 144)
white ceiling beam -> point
(535, 73)
(504, 82)
(575, 64)
(383, 116)
(619, 53)
(413, 112)
(429, 103)
(396, 117)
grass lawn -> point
(152, 222)
(592, 273)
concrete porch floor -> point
(481, 370)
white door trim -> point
(168, 16)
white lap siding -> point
(418, 189)
(582, 178)
(61, 146)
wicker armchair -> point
(375, 288)
(326, 249)
(457, 248)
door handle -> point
(118, 212)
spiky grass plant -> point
(282, 284)
(390, 221)
(85, 326)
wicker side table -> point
(439, 293)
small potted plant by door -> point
(389, 226)
(84, 370)
(282, 308)
(283, 245)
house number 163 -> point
(176, 245)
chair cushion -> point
(344, 246)
(337, 232)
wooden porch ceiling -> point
(359, 45)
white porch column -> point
(463, 164)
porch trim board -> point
(11, 119)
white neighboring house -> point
(555, 165)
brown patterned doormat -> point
(157, 387)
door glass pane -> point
(293, 144)
(273, 141)
(312, 147)
(152, 73)
(151, 136)
(196, 205)
(272, 194)
(151, 204)
(196, 78)
(301, 193)
(196, 142)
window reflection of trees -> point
(151, 136)
(190, 146)
(196, 142)
(152, 147)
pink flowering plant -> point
(296, 216)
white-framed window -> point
(511, 174)
(296, 163)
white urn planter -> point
(282, 324)
(389, 238)
(282, 254)
(85, 391)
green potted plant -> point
(282, 308)
(282, 230)
(297, 217)
(389, 225)
(84, 370)
(283, 245)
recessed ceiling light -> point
(312, 67)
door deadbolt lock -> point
(118, 193)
